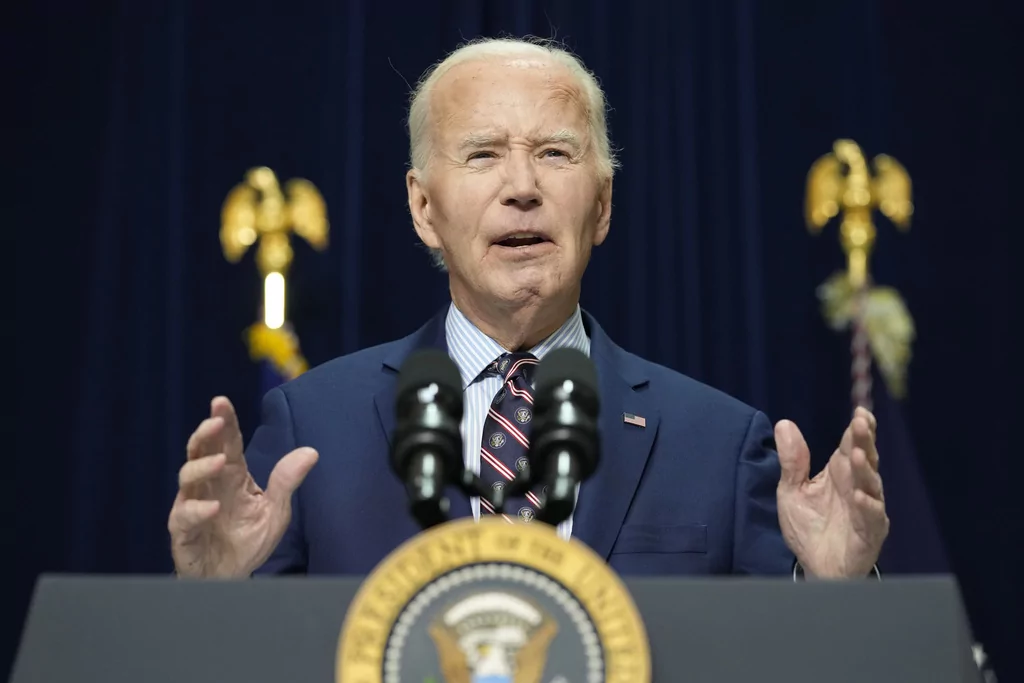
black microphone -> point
(426, 450)
(564, 441)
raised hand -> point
(835, 523)
(222, 524)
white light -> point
(428, 393)
(273, 300)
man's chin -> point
(528, 288)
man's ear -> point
(604, 218)
(419, 207)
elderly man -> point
(511, 188)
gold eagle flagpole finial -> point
(842, 183)
(259, 212)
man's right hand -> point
(222, 524)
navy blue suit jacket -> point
(693, 492)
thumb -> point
(289, 473)
(794, 455)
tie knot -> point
(513, 365)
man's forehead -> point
(495, 67)
(526, 97)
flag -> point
(881, 333)
(277, 352)
(270, 377)
(630, 418)
(259, 213)
(915, 544)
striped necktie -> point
(506, 435)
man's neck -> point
(517, 328)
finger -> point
(289, 473)
(195, 472)
(861, 411)
(205, 440)
(858, 433)
(865, 478)
(846, 443)
(864, 439)
(872, 520)
(794, 455)
(188, 515)
(232, 435)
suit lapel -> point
(431, 335)
(605, 498)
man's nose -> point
(520, 188)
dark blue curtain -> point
(133, 120)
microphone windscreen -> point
(430, 366)
(566, 364)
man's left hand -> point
(835, 523)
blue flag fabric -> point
(915, 544)
(277, 353)
(269, 377)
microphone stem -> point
(426, 490)
(563, 475)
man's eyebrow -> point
(481, 140)
(566, 137)
(478, 140)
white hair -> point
(593, 97)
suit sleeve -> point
(758, 546)
(273, 439)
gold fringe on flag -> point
(279, 347)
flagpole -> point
(860, 348)
(259, 211)
(880, 325)
(881, 328)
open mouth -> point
(521, 240)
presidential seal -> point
(492, 602)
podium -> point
(126, 629)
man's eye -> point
(555, 152)
(481, 155)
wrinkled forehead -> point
(525, 97)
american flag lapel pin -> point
(631, 419)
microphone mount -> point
(426, 452)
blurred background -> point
(134, 120)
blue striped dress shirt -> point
(472, 351)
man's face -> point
(512, 195)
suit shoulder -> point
(351, 371)
(684, 393)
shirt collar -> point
(472, 350)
